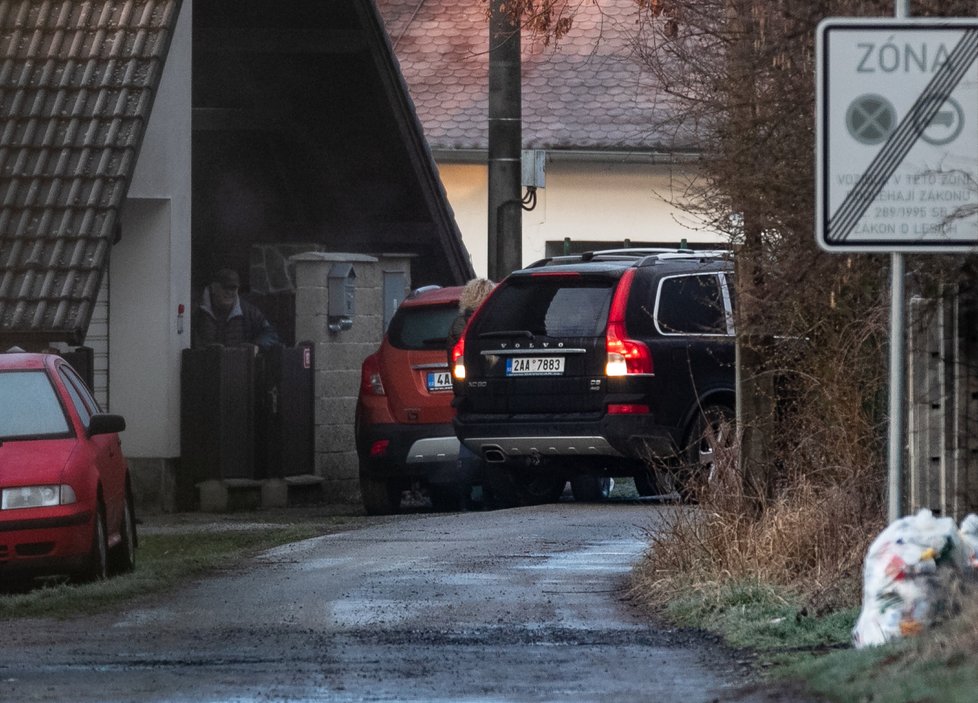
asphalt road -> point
(511, 605)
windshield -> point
(424, 327)
(30, 407)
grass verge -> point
(790, 644)
(165, 559)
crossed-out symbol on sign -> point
(870, 119)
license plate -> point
(439, 381)
(535, 366)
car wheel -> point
(590, 488)
(712, 432)
(449, 497)
(538, 488)
(380, 497)
(123, 556)
(96, 567)
(499, 488)
(645, 483)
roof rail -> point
(697, 254)
(423, 289)
(633, 254)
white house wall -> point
(583, 200)
(144, 357)
(150, 269)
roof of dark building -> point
(77, 82)
(587, 91)
(314, 103)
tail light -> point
(458, 358)
(458, 351)
(624, 356)
(628, 409)
(379, 448)
(370, 382)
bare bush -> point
(803, 498)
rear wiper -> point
(506, 333)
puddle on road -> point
(615, 556)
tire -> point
(590, 488)
(499, 488)
(511, 488)
(448, 497)
(380, 497)
(538, 488)
(645, 483)
(96, 566)
(122, 559)
(712, 430)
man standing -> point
(224, 318)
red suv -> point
(404, 432)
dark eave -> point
(459, 264)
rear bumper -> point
(610, 437)
(418, 452)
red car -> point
(404, 432)
(65, 495)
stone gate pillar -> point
(327, 286)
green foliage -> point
(893, 674)
(761, 618)
(938, 666)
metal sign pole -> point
(898, 343)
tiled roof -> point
(77, 81)
(586, 92)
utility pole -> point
(505, 252)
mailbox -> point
(342, 290)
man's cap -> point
(228, 278)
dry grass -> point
(811, 539)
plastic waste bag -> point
(969, 536)
(907, 576)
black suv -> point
(608, 363)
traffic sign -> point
(897, 135)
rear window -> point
(421, 327)
(31, 408)
(549, 306)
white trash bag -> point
(906, 576)
(969, 536)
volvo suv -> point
(604, 364)
(403, 425)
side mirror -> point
(105, 423)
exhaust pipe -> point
(493, 455)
